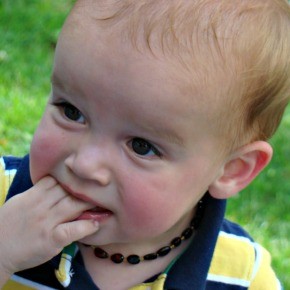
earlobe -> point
(241, 168)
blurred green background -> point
(28, 34)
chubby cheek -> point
(44, 152)
(154, 207)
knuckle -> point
(62, 235)
(48, 182)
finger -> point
(47, 192)
(69, 208)
(67, 233)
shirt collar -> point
(191, 269)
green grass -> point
(28, 33)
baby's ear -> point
(241, 168)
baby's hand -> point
(37, 224)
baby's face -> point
(119, 131)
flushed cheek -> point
(44, 153)
(142, 215)
(149, 209)
(154, 204)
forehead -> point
(105, 23)
(97, 63)
(95, 49)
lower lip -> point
(96, 216)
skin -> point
(120, 96)
(119, 132)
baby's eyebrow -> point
(165, 134)
(55, 80)
(58, 83)
(171, 138)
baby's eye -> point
(71, 112)
(144, 148)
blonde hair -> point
(246, 42)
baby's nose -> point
(90, 163)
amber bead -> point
(187, 233)
(151, 256)
(176, 242)
(100, 253)
(195, 223)
(117, 258)
(133, 259)
(163, 251)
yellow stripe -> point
(13, 285)
(6, 178)
(234, 257)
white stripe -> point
(257, 260)
(7, 171)
(2, 163)
(10, 172)
(279, 286)
(26, 282)
(228, 280)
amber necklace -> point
(135, 259)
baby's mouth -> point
(97, 213)
(99, 209)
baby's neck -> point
(110, 276)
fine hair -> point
(242, 46)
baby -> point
(159, 112)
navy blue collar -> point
(191, 269)
(22, 180)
